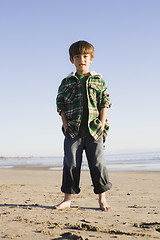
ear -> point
(91, 60)
(71, 59)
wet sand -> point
(27, 196)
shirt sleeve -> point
(60, 99)
(105, 103)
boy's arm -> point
(103, 116)
(105, 103)
(64, 120)
(60, 99)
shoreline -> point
(114, 162)
(29, 193)
(59, 168)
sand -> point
(27, 196)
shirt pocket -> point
(95, 91)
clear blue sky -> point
(34, 39)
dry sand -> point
(27, 196)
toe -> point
(105, 207)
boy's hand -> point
(65, 127)
(103, 125)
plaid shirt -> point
(70, 100)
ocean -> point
(115, 162)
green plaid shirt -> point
(70, 100)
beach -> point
(28, 194)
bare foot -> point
(63, 205)
(104, 206)
(103, 203)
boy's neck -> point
(83, 73)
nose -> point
(81, 57)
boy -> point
(82, 102)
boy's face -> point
(82, 63)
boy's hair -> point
(81, 47)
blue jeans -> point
(73, 149)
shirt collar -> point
(92, 73)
